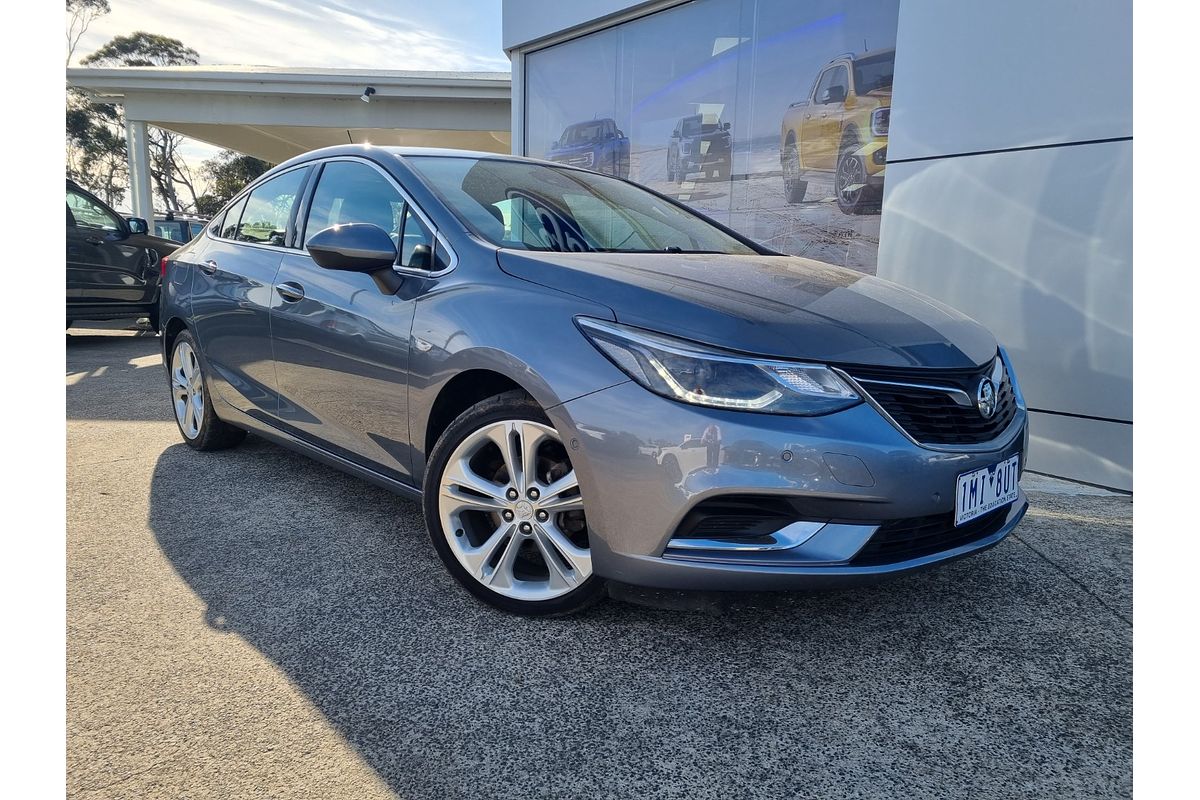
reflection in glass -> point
(768, 115)
(598, 144)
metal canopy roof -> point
(275, 113)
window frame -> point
(440, 242)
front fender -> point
(514, 328)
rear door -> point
(341, 343)
(232, 290)
(103, 268)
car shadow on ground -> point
(972, 675)
(107, 377)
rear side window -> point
(232, 216)
(268, 209)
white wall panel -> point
(1037, 246)
(974, 76)
(1082, 449)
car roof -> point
(373, 151)
(860, 56)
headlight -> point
(880, 119)
(695, 374)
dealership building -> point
(980, 153)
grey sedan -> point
(588, 383)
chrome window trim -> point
(1002, 440)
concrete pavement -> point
(253, 624)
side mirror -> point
(555, 145)
(725, 126)
(138, 225)
(358, 247)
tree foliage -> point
(80, 15)
(96, 149)
(226, 173)
(141, 49)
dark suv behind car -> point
(113, 264)
(699, 143)
(180, 229)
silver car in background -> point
(586, 382)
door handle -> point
(290, 292)
(209, 267)
(94, 240)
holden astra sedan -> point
(588, 383)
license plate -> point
(986, 489)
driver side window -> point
(833, 78)
(90, 214)
(350, 191)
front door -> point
(821, 129)
(232, 291)
(103, 268)
(341, 343)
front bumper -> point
(645, 462)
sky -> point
(375, 34)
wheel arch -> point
(170, 332)
(460, 393)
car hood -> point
(584, 146)
(781, 306)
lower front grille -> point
(906, 539)
(736, 517)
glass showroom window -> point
(769, 115)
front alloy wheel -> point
(509, 517)
(850, 183)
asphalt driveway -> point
(253, 624)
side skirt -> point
(241, 419)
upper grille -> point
(930, 414)
(906, 539)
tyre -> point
(794, 188)
(850, 182)
(505, 513)
(153, 316)
(198, 423)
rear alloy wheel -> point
(794, 188)
(201, 428)
(505, 512)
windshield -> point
(589, 132)
(874, 73)
(698, 125)
(530, 206)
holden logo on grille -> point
(985, 398)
